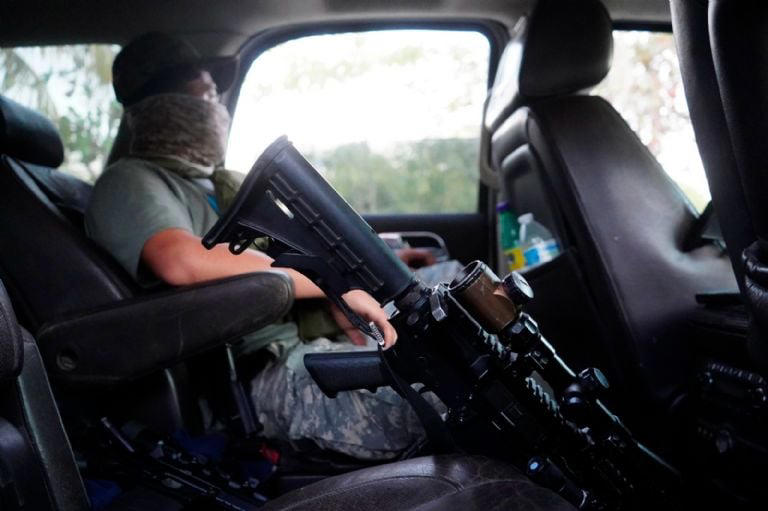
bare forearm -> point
(178, 258)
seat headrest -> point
(28, 135)
(562, 47)
(11, 341)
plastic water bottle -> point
(509, 237)
(537, 243)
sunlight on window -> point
(392, 118)
(645, 86)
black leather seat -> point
(624, 287)
(721, 45)
(443, 483)
(93, 326)
(691, 30)
(37, 468)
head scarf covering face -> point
(180, 127)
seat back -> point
(722, 53)
(37, 468)
(50, 268)
(737, 32)
(572, 160)
(122, 144)
(692, 39)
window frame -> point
(495, 32)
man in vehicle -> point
(150, 208)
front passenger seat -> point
(571, 159)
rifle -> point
(507, 391)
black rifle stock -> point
(470, 342)
(312, 229)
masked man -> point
(152, 205)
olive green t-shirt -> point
(135, 199)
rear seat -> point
(38, 471)
(45, 255)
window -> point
(72, 86)
(645, 86)
(391, 118)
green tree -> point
(425, 176)
(429, 169)
(72, 86)
(18, 78)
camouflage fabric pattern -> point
(362, 424)
(188, 136)
(180, 126)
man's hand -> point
(368, 308)
(416, 257)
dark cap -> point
(154, 63)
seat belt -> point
(439, 436)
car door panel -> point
(465, 234)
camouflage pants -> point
(366, 425)
(363, 424)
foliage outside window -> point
(645, 86)
(391, 118)
(72, 86)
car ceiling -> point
(223, 26)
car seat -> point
(38, 470)
(625, 287)
(721, 50)
(94, 327)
